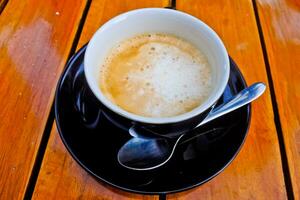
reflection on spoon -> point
(145, 153)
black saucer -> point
(93, 139)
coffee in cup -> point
(155, 75)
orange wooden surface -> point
(35, 40)
(256, 173)
(60, 176)
(280, 21)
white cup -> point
(158, 20)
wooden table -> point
(38, 37)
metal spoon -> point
(146, 153)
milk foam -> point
(156, 76)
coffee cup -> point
(165, 21)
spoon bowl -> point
(159, 151)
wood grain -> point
(35, 40)
(60, 176)
(256, 173)
(280, 22)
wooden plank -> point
(35, 40)
(280, 22)
(256, 173)
(60, 176)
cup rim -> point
(155, 120)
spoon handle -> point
(242, 98)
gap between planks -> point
(46, 134)
(3, 3)
(284, 161)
